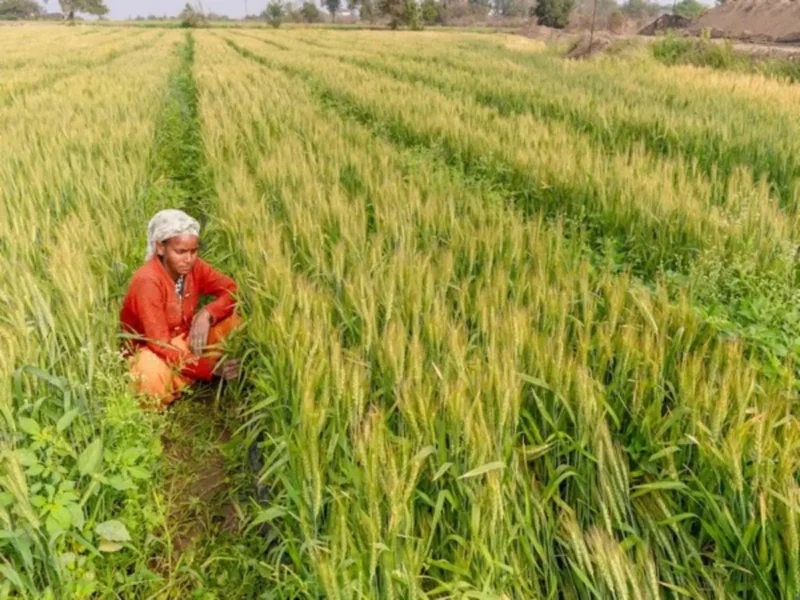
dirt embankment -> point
(768, 21)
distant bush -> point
(676, 50)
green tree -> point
(190, 16)
(14, 10)
(310, 13)
(456, 9)
(400, 12)
(553, 13)
(433, 12)
(509, 8)
(480, 8)
(394, 9)
(637, 9)
(604, 7)
(616, 22)
(367, 11)
(690, 9)
(89, 7)
(274, 13)
(333, 7)
(412, 15)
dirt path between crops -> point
(198, 491)
(200, 499)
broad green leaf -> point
(139, 472)
(65, 497)
(27, 458)
(113, 531)
(66, 559)
(63, 516)
(91, 457)
(35, 470)
(66, 420)
(106, 546)
(487, 468)
(120, 482)
(131, 454)
(29, 426)
(58, 520)
(77, 515)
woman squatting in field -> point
(170, 344)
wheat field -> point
(517, 327)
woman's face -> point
(178, 254)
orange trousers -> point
(159, 381)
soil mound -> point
(753, 20)
(666, 23)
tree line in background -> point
(11, 10)
(413, 14)
(417, 13)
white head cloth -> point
(167, 224)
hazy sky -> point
(121, 9)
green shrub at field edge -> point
(704, 52)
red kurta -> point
(152, 311)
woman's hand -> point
(227, 369)
(198, 335)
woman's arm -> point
(148, 304)
(211, 282)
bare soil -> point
(760, 46)
(758, 21)
(198, 485)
